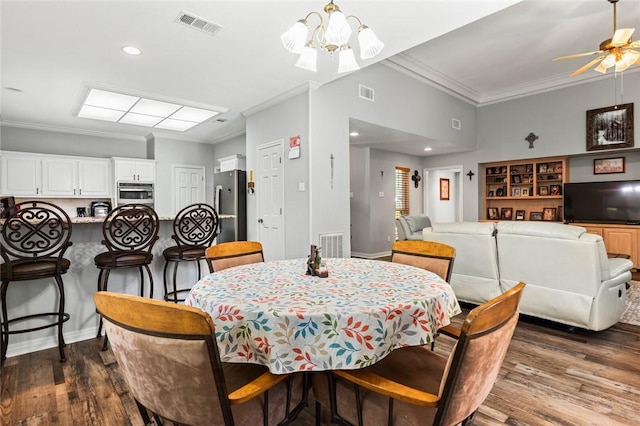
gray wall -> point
(559, 119)
(282, 121)
(60, 143)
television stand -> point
(619, 239)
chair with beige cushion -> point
(415, 386)
(169, 359)
(435, 257)
(234, 253)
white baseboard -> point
(370, 255)
(48, 342)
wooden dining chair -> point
(169, 358)
(430, 255)
(234, 253)
(414, 385)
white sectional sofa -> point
(569, 277)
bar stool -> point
(34, 238)
(194, 229)
(129, 233)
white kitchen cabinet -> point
(73, 177)
(21, 174)
(135, 170)
(26, 174)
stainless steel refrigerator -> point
(231, 199)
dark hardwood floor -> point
(551, 376)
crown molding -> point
(408, 66)
(48, 128)
(302, 88)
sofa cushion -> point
(417, 223)
(402, 228)
(542, 229)
(475, 228)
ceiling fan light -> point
(621, 66)
(630, 57)
(347, 60)
(609, 61)
(338, 30)
(293, 40)
(370, 45)
(601, 68)
(308, 59)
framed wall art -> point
(444, 188)
(610, 127)
(602, 166)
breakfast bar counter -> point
(80, 283)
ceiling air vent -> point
(193, 21)
(367, 93)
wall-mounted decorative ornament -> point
(332, 158)
(531, 138)
(470, 174)
(416, 178)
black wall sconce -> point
(416, 178)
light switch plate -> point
(381, 194)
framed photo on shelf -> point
(444, 188)
(515, 179)
(603, 166)
(492, 213)
(515, 192)
(524, 192)
(491, 194)
(519, 214)
(535, 216)
(555, 190)
(549, 213)
(542, 168)
(610, 127)
(543, 190)
(506, 213)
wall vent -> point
(331, 245)
(195, 22)
(367, 93)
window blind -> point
(402, 191)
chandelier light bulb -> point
(347, 60)
(294, 39)
(338, 30)
(370, 45)
(308, 59)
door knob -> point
(260, 221)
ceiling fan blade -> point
(577, 55)
(586, 67)
(621, 36)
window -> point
(402, 191)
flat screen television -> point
(603, 202)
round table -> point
(271, 313)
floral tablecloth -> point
(273, 314)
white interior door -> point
(188, 186)
(270, 191)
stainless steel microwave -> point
(135, 192)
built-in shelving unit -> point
(524, 189)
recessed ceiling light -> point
(127, 109)
(131, 50)
(354, 134)
(427, 149)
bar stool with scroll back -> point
(194, 229)
(34, 238)
(129, 233)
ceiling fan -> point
(616, 51)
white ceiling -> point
(480, 50)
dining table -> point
(273, 313)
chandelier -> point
(335, 37)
